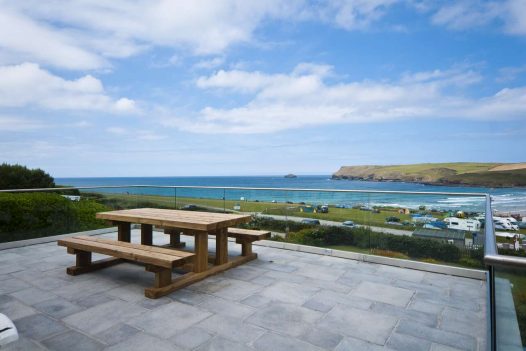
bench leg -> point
(246, 248)
(124, 231)
(163, 276)
(85, 265)
(83, 258)
(146, 234)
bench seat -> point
(157, 260)
(246, 237)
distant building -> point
(454, 237)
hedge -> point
(363, 237)
(31, 215)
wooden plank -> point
(175, 218)
(192, 277)
(248, 233)
(128, 253)
(107, 262)
(124, 231)
(201, 252)
(161, 250)
(146, 234)
(221, 247)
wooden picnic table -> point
(194, 223)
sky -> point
(233, 87)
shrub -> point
(30, 215)
(364, 237)
(20, 177)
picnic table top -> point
(203, 221)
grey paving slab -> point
(143, 341)
(33, 295)
(57, 307)
(101, 317)
(14, 309)
(439, 347)
(352, 344)
(462, 322)
(463, 342)
(232, 328)
(246, 273)
(39, 327)
(273, 342)
(325, 300)
(177, 315)
(190, 297)
(118, 333)
(284, 318)
(365, 325)
(225, 307)
(72, 340)
(13, 284)
(24, 344)
(383, 293)
(233, 289)
(288, 292)
(429, 319)
(402, 342)
(93, 300)
(219, 343)
(322, 338)
(397, 273)
(192, 337)
(256, 300)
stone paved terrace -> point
(285, 300)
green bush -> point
(364, 237)
(31, 215)
(20, 177)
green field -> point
(282, 209)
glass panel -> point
(510, 303)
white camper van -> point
(470, 225)
(502, 223)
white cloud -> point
(19, 124)
(210, 63)
(29, 85)
(465, 14)
(84, 34)
(304, 98)
(352, 14)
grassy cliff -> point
(460, 173)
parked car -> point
(349, 224)
(310, 221)
(190, 207)
(392, 219)
(522, 225)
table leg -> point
(221, 247)
(124, 231)
(201, 252)
(146, 234)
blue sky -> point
(232, 87)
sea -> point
(505, 200)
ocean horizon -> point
(504, 199)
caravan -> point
(470, 225)
(502, 223)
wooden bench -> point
(158, 260)
(246, 237)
